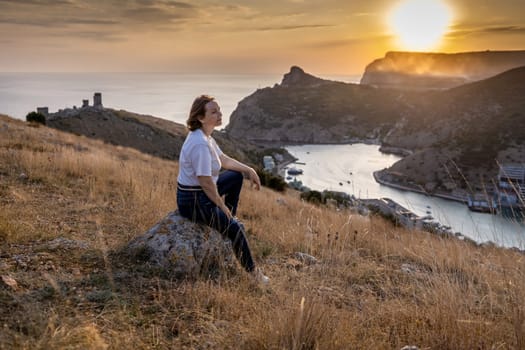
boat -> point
(295, 171)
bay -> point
(348, 168)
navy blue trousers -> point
(196, 206)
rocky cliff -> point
(418, 70)
(305, 109)
(472, 126)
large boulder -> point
(183, 249)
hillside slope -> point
(469, 130)
(156, 136)
(69, 203)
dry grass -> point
(376, 286)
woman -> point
(200, 186)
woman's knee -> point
(236, 176)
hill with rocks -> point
(470, 127)
(306, 110)
(156, 136)
(422, 70)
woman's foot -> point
(260, 277)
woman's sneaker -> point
(260, 277)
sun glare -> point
(420, 24)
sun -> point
(419, 25)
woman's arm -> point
(232, 164)
(210, 189)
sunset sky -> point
(228, 36)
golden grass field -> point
(376, 286)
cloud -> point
(505, 29)
(95, 15)
(95, 35)
(37, 2)
(55, 22)
(152, 15)
(293, 27)
(455, 33)
(330, 44)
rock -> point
(408, 268)
(409, 347)
(281, 201)
(64, 243)
(297, 76)
(23, 176)
(183, 249)
(306, 258)
(10, 282)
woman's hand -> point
(210, 189)
(254, 178)
(226, 212)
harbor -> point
(350, 168)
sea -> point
(164, 95)
(169, 96)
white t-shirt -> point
(199, 156)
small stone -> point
(407, 268)
(409, 347)
(306, 258)
(281, 201)
(10, 282)
(23, 176)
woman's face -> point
(212, 116)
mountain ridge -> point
(436, 70)
(474, 125)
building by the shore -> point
(511, 190)
(269, 164)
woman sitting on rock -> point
(200, 186)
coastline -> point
(446, 196)
(284, 144)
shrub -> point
(272, 181)
(313, 197)
(35, 117)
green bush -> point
(272, 181)
(313, 197)
(35, 117)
